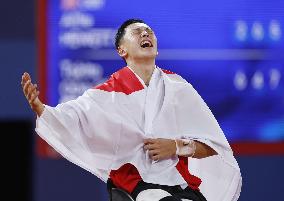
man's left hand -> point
(159, 149)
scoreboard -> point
(231, 52)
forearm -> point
(203, 150)
(161, 148)
(39, 108)
(194, 149)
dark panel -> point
(262, 177)
(16, 57)
(17, 152)
(61, 180)
(17, 19)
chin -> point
(149, 54)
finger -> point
(146, 147)
(32, 100)
(32, 91)
(152, 153)
(25, 77)
(155, 157)
(34, 96)
(26, 87)
(22, 81)
(150, 146)
(149, 141)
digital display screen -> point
(231, 52)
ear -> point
(121, 51)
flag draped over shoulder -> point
(104, 129)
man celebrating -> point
(145, 130)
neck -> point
(143, 69)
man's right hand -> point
(31, 93)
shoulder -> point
(173, 76)
(123, 80)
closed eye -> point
(138, 31)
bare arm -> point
(165, 148)
(31, 93)
(203, 150)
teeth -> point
(146, 42)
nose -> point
(144, 34)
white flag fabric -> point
(104, 129)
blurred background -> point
(232, 53)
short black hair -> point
(121, 30)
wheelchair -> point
(117, 194)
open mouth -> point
(146, 43)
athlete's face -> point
(139, 42)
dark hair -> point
(121, 30)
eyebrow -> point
(139, 28)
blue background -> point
(198, 40)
